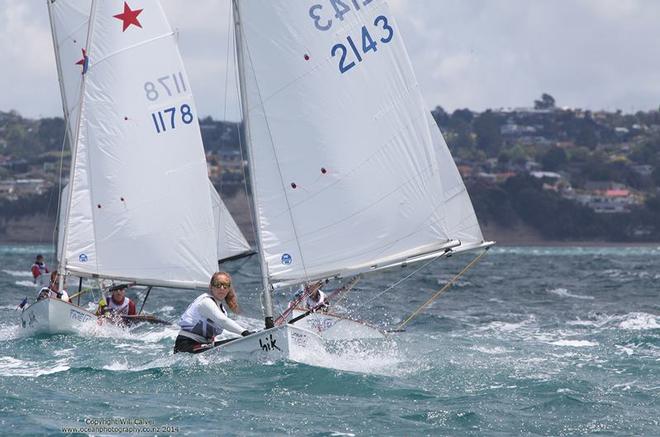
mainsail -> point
(70, 25)
(349, 171)
(140, 206)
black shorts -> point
(185, 344)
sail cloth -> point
(349, 172)
(69, 21)
(231, 242)
(140, 205)
(69, 24)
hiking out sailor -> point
(116, 303)
(316, 299)
(206, 316)
(40, 272)
(53, 290)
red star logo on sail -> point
(129, 17)
(84, 61)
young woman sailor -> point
(206, 317)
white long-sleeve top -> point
(205, 318)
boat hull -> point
(334, 327)
(53, 316)
(282, 342)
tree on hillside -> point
(461, 116)
(489, 136)
(546, 102)
(554, 159)
(51, 133)
(586, 135)
(440, 116)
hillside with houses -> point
(537, 173)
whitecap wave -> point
(29, 284)
(574, 343)
(635, 321)
(490, 350)
(9, 332)
(10, 366)
(18, 273)
(503, 326)
(117, 366)
(640, 322)
(562, 292)
(358, 357)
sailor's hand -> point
(247, 332)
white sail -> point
(69, 20)
(348, 172)
(69, 24)
(140, 206)
(230, 239)
(61, 220)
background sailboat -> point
(139, 206)
(69, 26)
(350, 173)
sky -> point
(477, 54)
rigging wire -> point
(414, 272)
(442, 290)
(343, 291)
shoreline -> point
(578, 244)
(527, 243)
(25, 230)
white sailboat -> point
(139, 206)
(350, 173)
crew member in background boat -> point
(39, 272)
(53, 290)
(316, 299)
(116, 303)
(206, 316)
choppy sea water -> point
(533, 341)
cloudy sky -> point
(596, 54)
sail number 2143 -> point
(365, 44)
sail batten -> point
(348, 172)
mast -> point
(267, 299)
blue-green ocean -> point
(532, 341)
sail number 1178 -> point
(167, 118)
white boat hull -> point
(334, 327)
(53, 316)
(282, 342)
